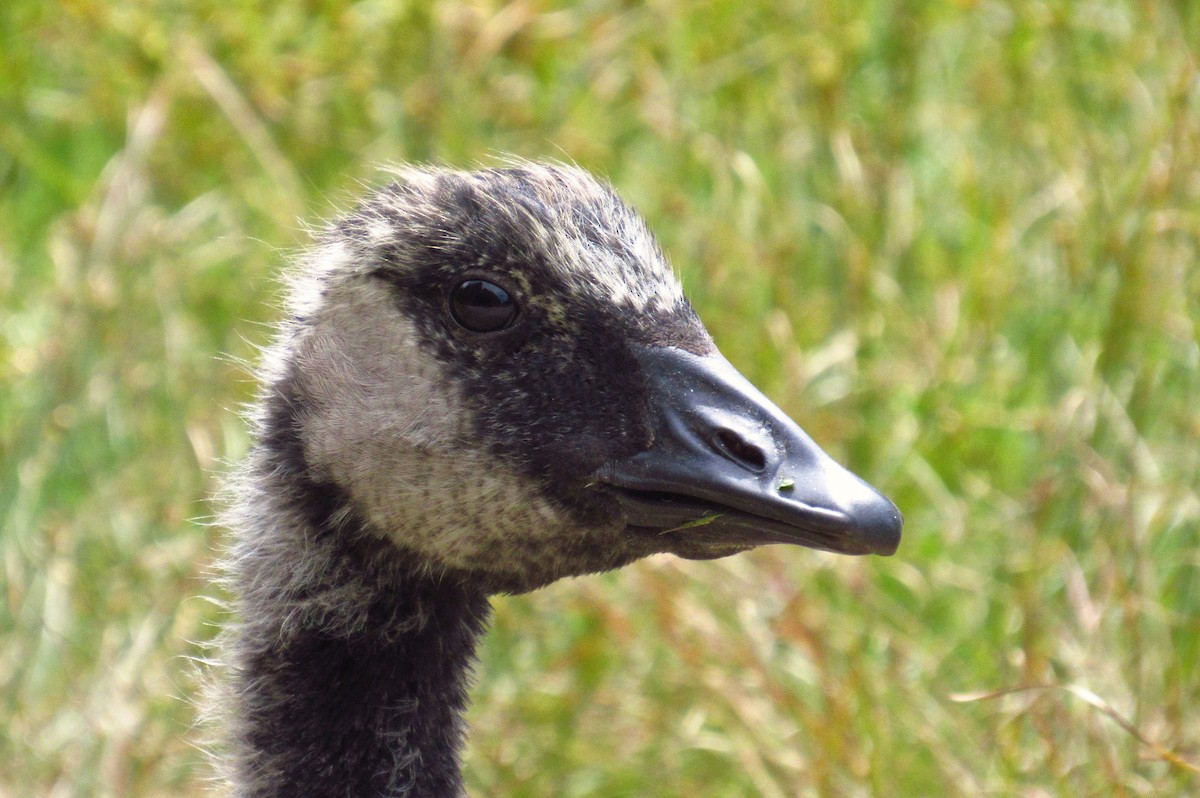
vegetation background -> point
(957, 239)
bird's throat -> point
(350, 663)
(375, 710)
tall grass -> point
(957, 240)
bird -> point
(484, 381)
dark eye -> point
(481, 306)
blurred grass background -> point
(957, 240)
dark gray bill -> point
(728, 470)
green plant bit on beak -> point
(787, 484)
(701, 521)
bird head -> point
(500, 375)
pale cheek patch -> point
(388, 426)
(458, 512)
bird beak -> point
(727, 470)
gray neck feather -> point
(350, 665)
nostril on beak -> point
(736, 448)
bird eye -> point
(481, 306)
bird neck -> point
(373, 712)
(350, 671)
